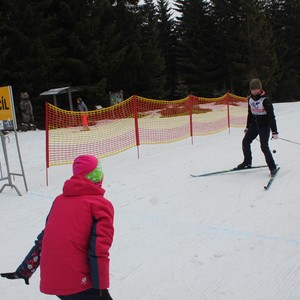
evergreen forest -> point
(155, 49)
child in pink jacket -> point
(73, 249)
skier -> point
(73, 249)
(260, 121)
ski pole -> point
(274, 151)
(1, 171)
(289, 141)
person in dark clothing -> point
(81, 106)
(261, 122)
(26, 112)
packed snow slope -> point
(176, 237)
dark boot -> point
(273, 171)
(244, 165)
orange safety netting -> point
(137, 121)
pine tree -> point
(151, 71)
(261, 46)
(168, 43)
(26, 59)
(125, 76)
(284, 17)
(140, 71)
(197, 63)
(103, 50)
(232, 38)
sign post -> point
(8, 122)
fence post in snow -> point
(227, 97)
(136, 124)
(191, 117)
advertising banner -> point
(7, 112)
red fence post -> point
(136, 123)
(228, 111)
(47, 140)
(191, 116)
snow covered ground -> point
(176, 237)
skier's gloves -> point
(274, 135)
(15, 275)
(104, 295)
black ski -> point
(226, 171)
(271, 179)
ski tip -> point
(266, 187)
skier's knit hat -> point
(255, 84)
(88, 166)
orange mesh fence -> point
(137, 121)
(162, 121)
(217, 114)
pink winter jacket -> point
(74, 246)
